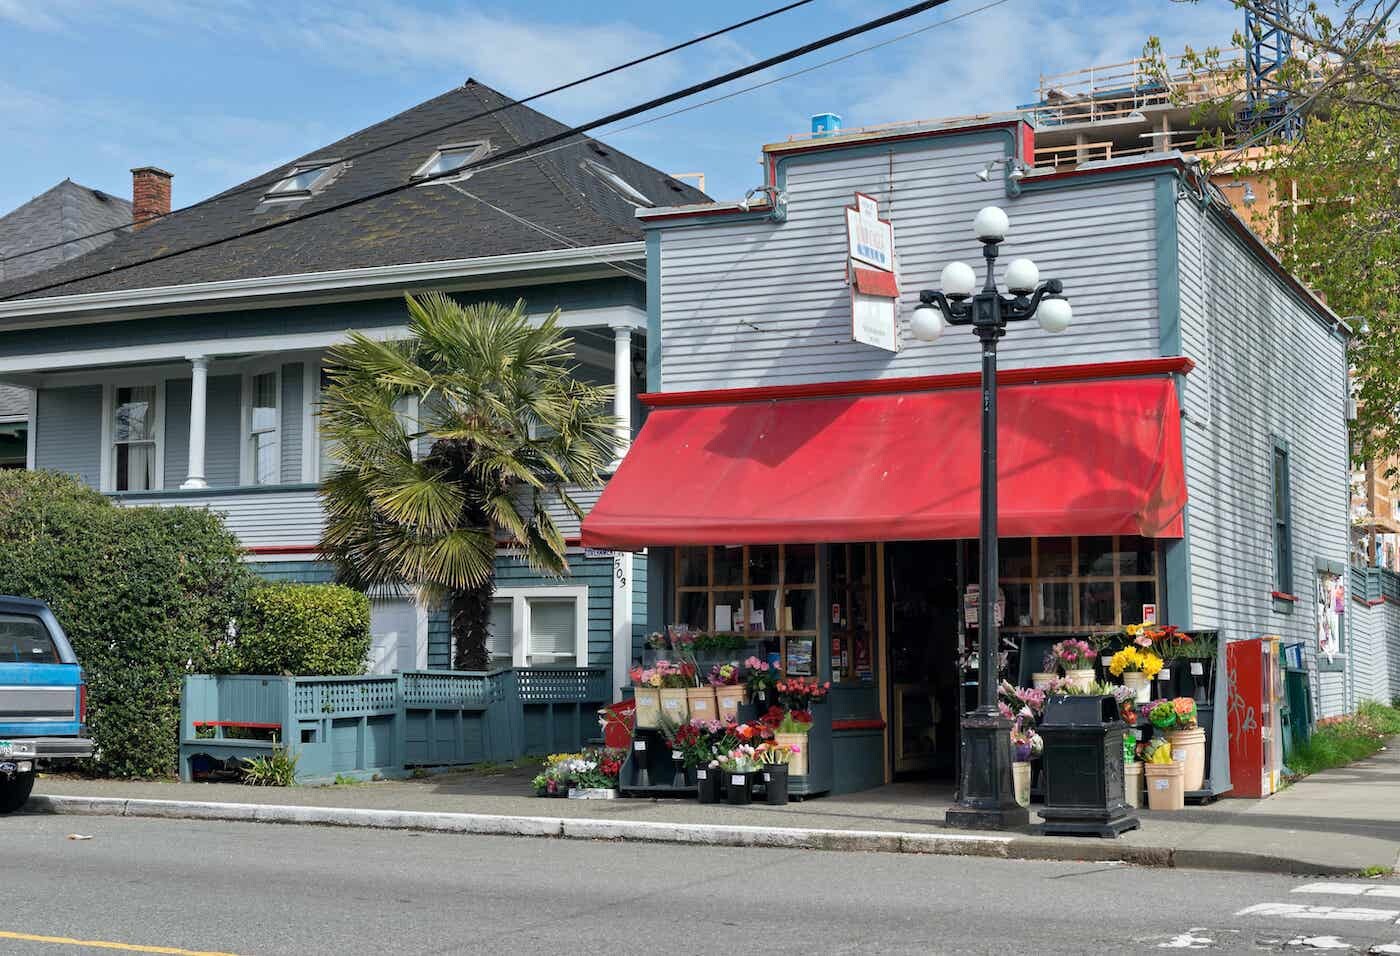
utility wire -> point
(259, 185)
(628, 113)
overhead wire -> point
(525, 148)
(260, 185)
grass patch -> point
(1372, 872)
(1338, 741)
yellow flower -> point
(1133, 630)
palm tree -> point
(422, 498)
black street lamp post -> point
(986, 798)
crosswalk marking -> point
(1304, 911)
(1351, 889)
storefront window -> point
(768, 592)
(851, 575)
(1074, 584)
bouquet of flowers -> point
(1020, 703)
(742, 759)
(800, 693)
(1158, 750)
(656, 641)
(646, 676)
(1176, 714)
(777, 753)
(674, 674)
(589, 769)
(1185, 709)
(1072, 654)
(793, 722)
(759, 676)
(1025, 743)
(1130, 745)
(726, 675)
(1133, 659)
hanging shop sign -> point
(870, 271)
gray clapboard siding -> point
(563, 518)
(1272, 370)
(68, 431)
(772, 299)
(177, 431)
(258, 518)
(292, 404)
(223, 426)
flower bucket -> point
(593, 793)
(1132, 783)
(1137, 682)
(775, 779)
(797, 764)
(1190, 747)
(1041, 680)
(727, 701)
(707, 784)
(701, 701)
(648, 706)
(1164, 785)
(738, 787)
(1021, 776)
(1081, 677)
(674, 705)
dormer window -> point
(447, 159)
(618, 185)
(304, 181)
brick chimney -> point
(150, 194)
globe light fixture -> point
(985, 793)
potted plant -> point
(775, 758)
(593, 774)
(1177, 720)
(646, 691)
(760, 678)
(1164, 776)
(1076, 658)
(797, 695)
(1137, 668)
(740, 766)
(728, 683)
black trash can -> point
(1083, 763)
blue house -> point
(181, 364)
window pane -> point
(800, 564)
(729, 612)
(264, 448)
(694, 567)
(763, 604)
(763, 565)
(1014, 557)
(552, 638)
(1097, 604)
(450, 159)
(25, 640)
(1054, 556)
(1018, 604)
(1096, 557)
(498, 642)
(134, 414)
(1135, 595)
(1136, 556)
(729, 566)
(801, 612)
(264, 397)
(136, 466)
(1056, 609)
(694, 610)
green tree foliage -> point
(421, 498)
(142, 594)
(1342, 234)
(298, 630)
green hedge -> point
(299, 630)
(143, 593)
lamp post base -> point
(987, 796)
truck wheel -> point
(14, 791)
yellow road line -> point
(104, 944)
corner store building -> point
(1182, 445)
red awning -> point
(1075, 458)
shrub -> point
(299, 630)
(277, 769)
(142, 594)
(1338, 741)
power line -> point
(522, 149)
(258, 185)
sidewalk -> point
(1339, 821)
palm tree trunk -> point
(470, 618)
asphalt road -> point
(188, 887)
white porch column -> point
(622, 387)
(199, 388)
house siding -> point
(277, 517)
(71, 437)
(640, 576)
(1271, 372)
(223, 431)
(762, 303)
(294, 572)
(177, 431)
(293, 402)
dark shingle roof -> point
(68, 211)
(430, 223)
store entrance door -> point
(922, 591)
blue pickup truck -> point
(43, 700)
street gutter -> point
(1002, 846)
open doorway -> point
(924, 684)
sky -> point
(218, 91)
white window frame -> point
(614, 181)
(479, 148)
(282, 191)
(107, 470)
(520, 598)
(247, 467)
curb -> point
(1008, 847)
